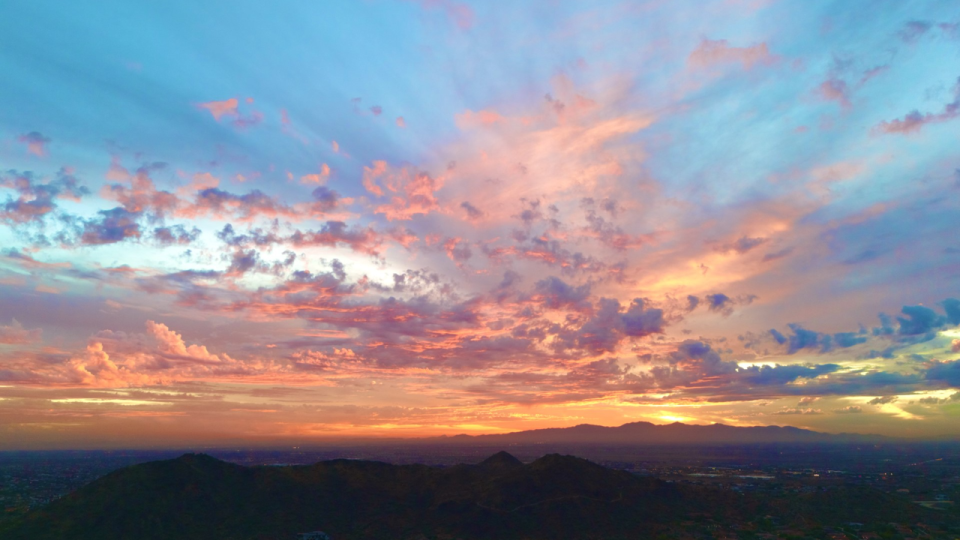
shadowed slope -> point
(554, 497)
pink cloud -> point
(486, 117)
(36, 143)
(714, 52)
(835, 89)
(16, 334)
(231, 108)
(401, 122)
(411, 192)
(317, 178)
(370, 176)
(955, 345)
(914, 121)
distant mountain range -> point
(642, 433)
(198, 497)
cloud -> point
(317, 178)
(641, 321)
(798, 410)
(36, 200)
(914, 30)
(15, 334)
(337, 233)
(744, 244)
(36, 143)
(112, 226)
(944, 372)
(834, 89)
(470, 119)
(175, 235)
(777, 254)
(849, 409)
(721, 303)
(554, 293)
(401, 123)
(608, 326)
(218, 109)
(410, 191)
(883, 400)
(327, 200)
(914, 121)
(919, 320)
(230, 108)
(717, 52)
(473, 213)
(951, 306)
(808, 339)
(718, 302)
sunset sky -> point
(275, 221)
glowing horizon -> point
(416, 218)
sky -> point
(255, 222)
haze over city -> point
(259, 223)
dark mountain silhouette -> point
(198, 497)
(639, 433)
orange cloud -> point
(221, 108)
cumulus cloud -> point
(609, 325)
(882, 400)
(36, 199)
(112, 226)
(177, 235)
(554, 293)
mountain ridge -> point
(644, 433)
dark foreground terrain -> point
(196, 496)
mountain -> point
(199, 497)
(643, 433)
